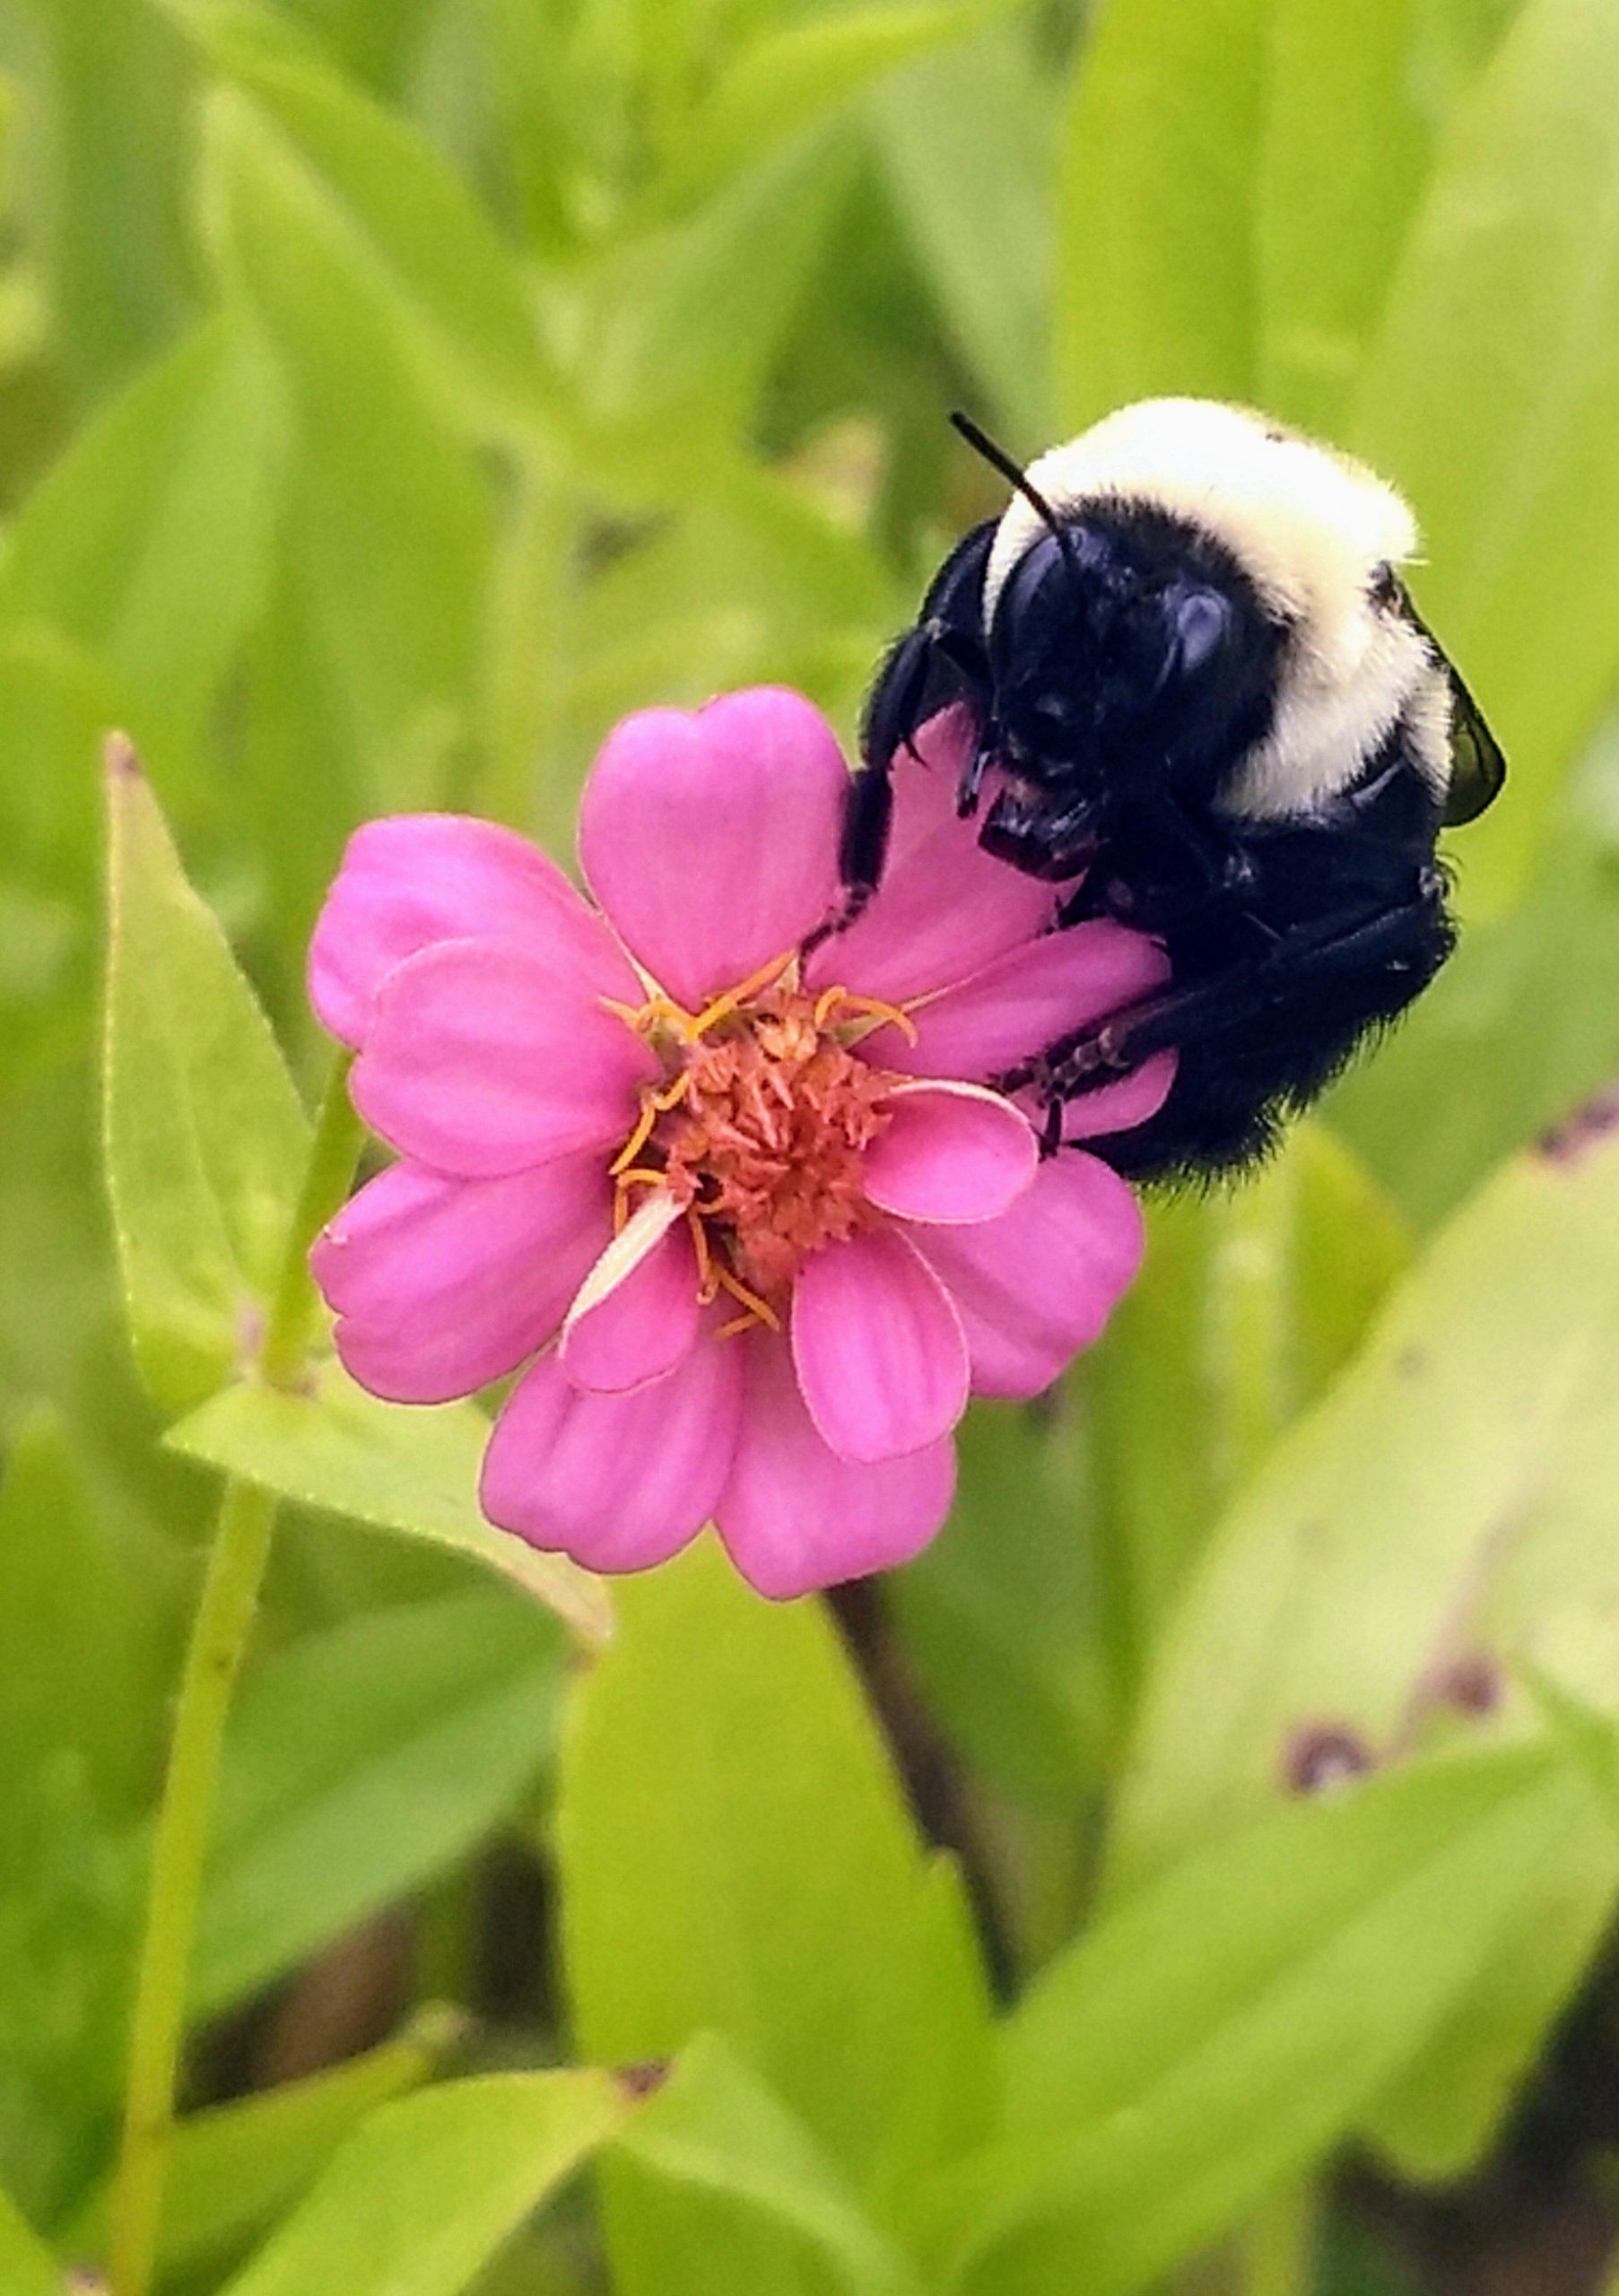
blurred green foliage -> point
(392, 393)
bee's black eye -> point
(1382, 589)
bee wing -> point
(1477, 768)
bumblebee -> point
(1203, 695)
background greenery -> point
(393, 392)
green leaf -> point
(1156, 290)
(795, 76)
(1493, 398)
(716, 2128)
(335, 1447)
(27, 2266)
(1355, 103)
(148, 543)
(413, 228)
(235, 2168)
(361, 1762)
(206, 1139)
(966, 140)
(1449, 1504)
(1250, 1304)
(999, 1615)
(401, 653)
(1154, 2095)
(1498, 1049)
(83, 1645)
(719, 1756)
(423, 2197)
(688, 318)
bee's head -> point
(1188, 600)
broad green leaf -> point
(1505, 1041)
(27, 2266)
(966, 140)
(1154, 2095)
(148, 543)
(1492, 397)
(335, 1447)
(1447, 1498)
(1447, 1505)
(1156, 290)
(423, 2197)
(716, 2128)
(235, 2168)
(363, 1761)
(715, 1742)
(999, 1614)
(206, 1139)
(1249, 1303)
(83, 1650)
(795, 76)
(413, 230)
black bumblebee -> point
(1197, 679)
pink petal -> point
(415, 879)
(1015, 1008)
(1120, 1106)
(951, 1152)
(479, 1061)
(617, 1481)
(440, 1285)
(711, 839)
(795, 1516)
(877, 1347)
(637, 1313)
(1037, 1285)
(944, 907)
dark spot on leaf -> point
(1321, 1755)
(1411, 1363)
(642, 2080)
(1472, 1683)
(1569, 1142)
(121, 759)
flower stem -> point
(219, 1638)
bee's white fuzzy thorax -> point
(1307, 527)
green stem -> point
(333, 1155)
(219, 1638)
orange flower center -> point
(760, 1128)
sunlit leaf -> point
(205, 1138)
(26, 2264)
(335, 1447)
(842, 1977)
(1492, 397)
(235, 2168)
(420, 2199)
(1154, 2094)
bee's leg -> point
(1299, 964)
(867, 813)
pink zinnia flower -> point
(756, 1216)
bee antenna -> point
(1017, 477)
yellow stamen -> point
(673, 1094)
(708, 1282)
(642, 1175)
(737, 1325)
(760, 1310)
(724, 1006)
(632, 1015)
(832, 1000)
(638, 1139)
